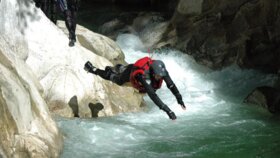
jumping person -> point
(146, 75)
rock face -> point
(220, 32)
(27, 129)
(266, 97)
(162, 5)
(149, 27)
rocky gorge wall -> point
(218, 33)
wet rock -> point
(266, 97)
(219, 33)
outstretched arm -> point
(155, 97)
(171, 85)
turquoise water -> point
(215, 124)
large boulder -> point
(97, 43)
(27, 129)
(150, 27)
(266, 97)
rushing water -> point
(215, 124)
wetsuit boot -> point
(90, 68)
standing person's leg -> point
(74, 9)
(68, 23)
(70, 26)
(71, 17)
(63, 5)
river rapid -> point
(216, 122)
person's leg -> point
(69, 26)
(73, 8)
(71, 16)
(65, 8)
(73, 26)
(105, 74)
(108, 74)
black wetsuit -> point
(69, 9)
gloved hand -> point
(171, 115)
(180, 100)
(182, 104)
(88, 67)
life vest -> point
(142, 67)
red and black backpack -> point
(142, 66)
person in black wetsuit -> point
(69, 9)
(145, 75)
